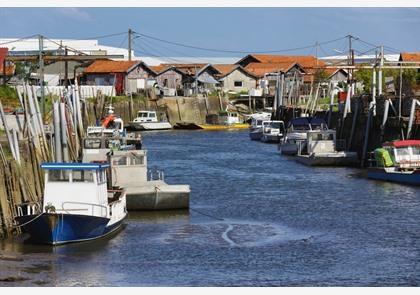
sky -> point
(231, 29)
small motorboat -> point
(77, 205)
(296, 134)
(272, 131)
(397, 161)
(321, 149)
(255, 129)
(147, 120)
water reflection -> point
(256, 219)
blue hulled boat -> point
(77, 206)
(397, 161)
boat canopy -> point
(74, 166)
(402, 143)
(307, 122)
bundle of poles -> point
(54, 134)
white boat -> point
(255, 129)
(147, 120)
(76, 206)
(144, 192)
(272, 131)
(320, 149)
(296, 133)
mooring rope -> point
(19, 225)
(211, 216)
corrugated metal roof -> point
(110, 66)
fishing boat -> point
(321, 149)
(397, 161)
(110, 135)
(145, 189)
(76, 206)
(272, 131)
(296, 133)
(147, 120)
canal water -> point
(256, 219)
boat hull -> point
(158, 197)
(288, 149)
(328, 160)
(55, 229)
(405, 178)
(271, 138)
(255, 135)
(150, 126)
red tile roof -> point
(303, 60)
(410, 56)
(225, 69)
(110, 66)
(260, 69)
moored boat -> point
(296, 133)
(76, 206)
(272, 131)
(397, 161)
(147, 120)
(321, 149)
(129, 170)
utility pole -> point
(130, 33)
(41, 73)
(349, 62)
(66, 69)
(381, 64)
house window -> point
(237, 83)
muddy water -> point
(256, 219)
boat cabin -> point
(402, 153)
(146, 116)
(230, 118)
(97, 148)
(306, 124)
(273, 127)
(321, 142)
(128, 167)
(76, 188)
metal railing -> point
(30, 208)
(154, 174)
(92, 207)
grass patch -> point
(8, 97)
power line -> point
(234, 51)
(199, 58)
(68, 47)
(20, 39)
(105, 36)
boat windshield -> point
(142, 114)
(322, 136)
(276, 125)
(301, 127)
(92, 143)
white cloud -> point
(76, 13)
